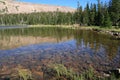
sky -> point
(69, 3)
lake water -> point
(31, 48)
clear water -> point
(32, 48)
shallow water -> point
(31, 48)
(13, 27)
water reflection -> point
(33, 47)
(13, 38)
(17, 41)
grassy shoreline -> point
(67, 26)
(79, 27)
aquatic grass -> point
(69, 74)
(113, 77)
(61, 71)
(90, 73)
(24, 74)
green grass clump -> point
(68, 74)
(24, 74)
(63, 73)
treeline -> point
(51, 18)
(101, 14)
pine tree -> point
(106, 21)
(87, 14)
(114, 10)
(78, 15)
(92, 14)
(98, 14)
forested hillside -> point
(46, 18)
(100, 14)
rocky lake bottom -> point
(33, 49)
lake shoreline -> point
(13, 27)
(77, 26)
(114, 32)
(63, 26)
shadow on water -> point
(31, 48)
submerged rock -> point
(113, 72)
